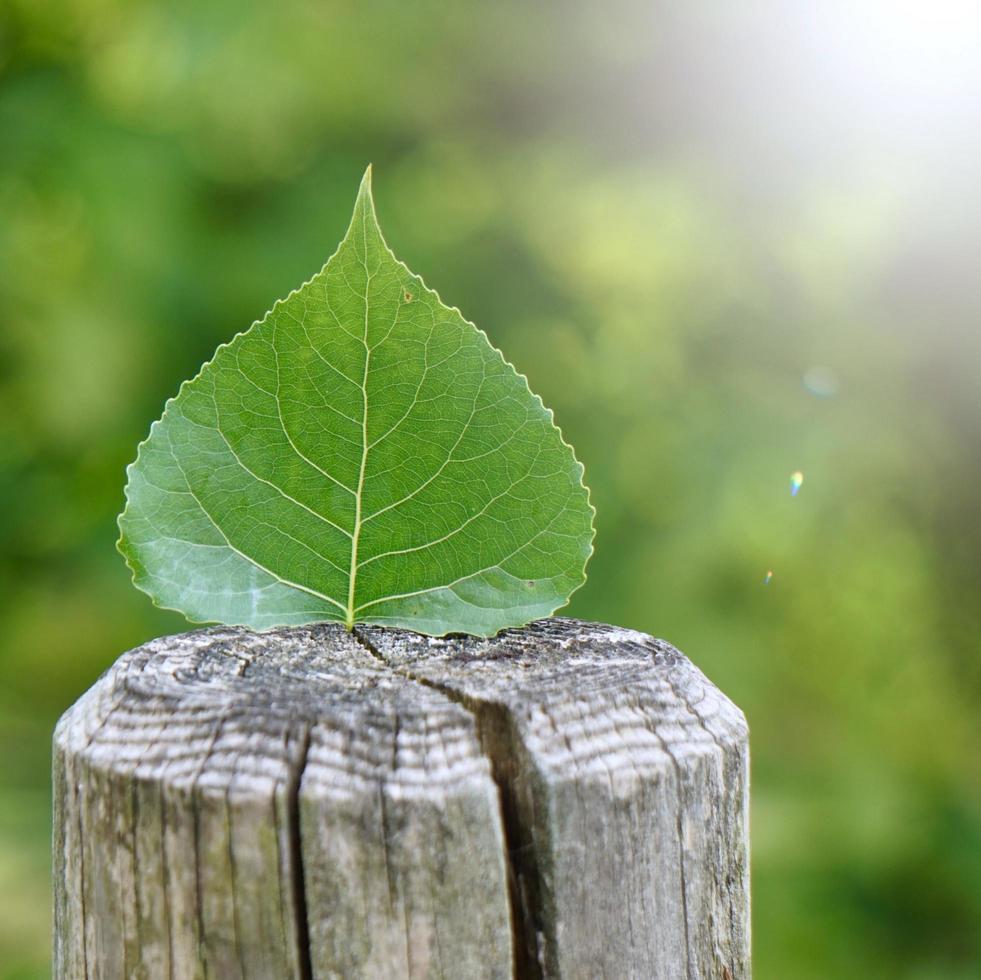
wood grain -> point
(566, 800)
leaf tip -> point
(365, 189)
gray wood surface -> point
(566, 800)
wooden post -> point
(566, 800)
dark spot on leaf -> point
(408, 296)
(530, 583)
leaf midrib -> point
(356, 532)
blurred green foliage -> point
(747, 192)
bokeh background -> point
(724, 241)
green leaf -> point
(362, 454)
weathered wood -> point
(567, 800)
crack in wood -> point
(498, 741)
(297, 873)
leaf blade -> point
(361, 454)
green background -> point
(668, 216)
